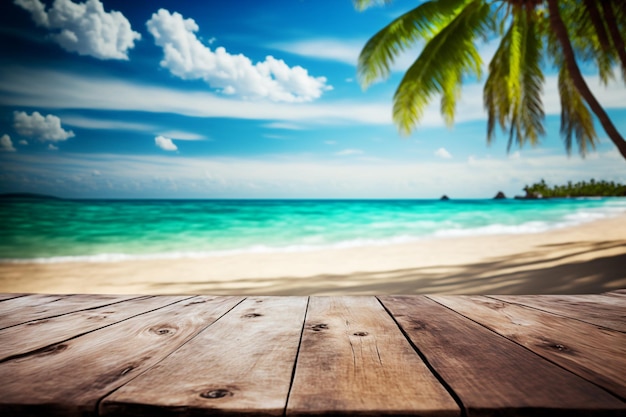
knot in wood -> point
(360, 333)
(162, 331)
(559, 347)
(252, 315)
(318, 327)
(216, 393)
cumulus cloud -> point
(84, 28)
(36, 126)
(443, 153)
(185, 56)
(6, 145)
(165, 143)
(53, 148)
(23, 142)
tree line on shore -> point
(591, 188)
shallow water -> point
(101, 230)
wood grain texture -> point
(27, 337)
(595, 353)
(40, 306)
(68, 379)
(491, 374)
(8, 296)
(354, 360)
(601, 310)
(241, 365)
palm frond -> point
(589, 30)
(531, 111)
(439, 69)
(512, 93)
(420, 23)
(496, 97)
(576, 118)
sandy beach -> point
(589, 258)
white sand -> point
(590, 258)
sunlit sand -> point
(589, 258)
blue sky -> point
(244, 99)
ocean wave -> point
(451, 230)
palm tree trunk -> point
(579, 82)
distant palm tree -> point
(531, 32)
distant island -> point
(591, 188)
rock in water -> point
(499, 196)
(444, 198)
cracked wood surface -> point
(89, 355)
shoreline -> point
(586, 258)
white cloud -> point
(347, 152)
(6, 145)
(23, 142)
(181, 135)
(443, 153)
(330, 142)
(185, 56)
(165, 143)
(46, 128)
(85, 28)
(53, 148)
(104, 124)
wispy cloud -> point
(182, 135)
(104, 124)
(55, 89)
(340, 50)
(68, 174)
(348, 152)
(283, 125)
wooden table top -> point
(81, 355)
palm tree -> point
(530, 31)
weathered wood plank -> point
(597, 354)
(23, 338)
(609, 312)
(491, 374)
(40, 306)
(242, 364)
(8, 296)
(68, 379)
(354, 360)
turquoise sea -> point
(49, 230)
